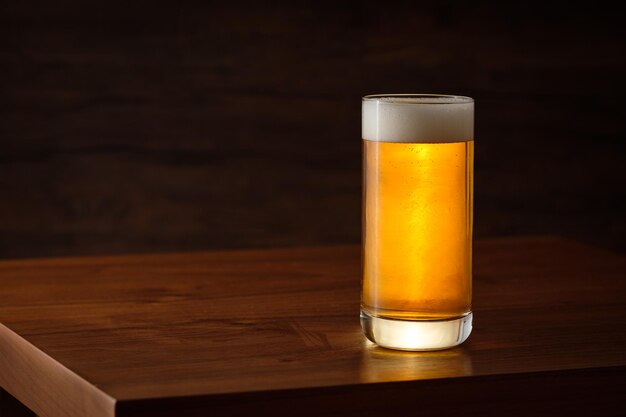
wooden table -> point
(277, 331)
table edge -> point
(437, 386)
(49, 380)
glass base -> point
(416, 335)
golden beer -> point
(418, 154)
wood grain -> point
(277, 330)
(160, 127)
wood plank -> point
(240, 330)
(46, 386)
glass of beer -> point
(418, 156)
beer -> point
(417, 220)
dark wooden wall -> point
(149, 126)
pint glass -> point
(418, 154)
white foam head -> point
(425, 118)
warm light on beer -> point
(418, 228)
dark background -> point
(153, 126)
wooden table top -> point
(253, 331)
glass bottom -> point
(417, 335)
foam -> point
(426, 119)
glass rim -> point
(406, 98)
